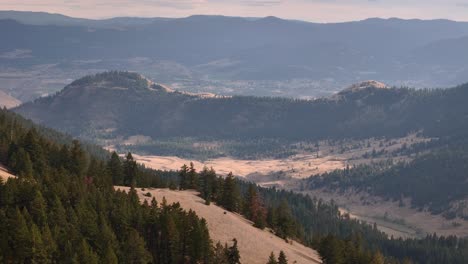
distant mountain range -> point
(42, 18)
(208, 51)
(122, 104)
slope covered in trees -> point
(122, 104)
(437, 181)
(62, 208)
(319, 224)
(114, 104)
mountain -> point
(43, 18)
(453, 52)
(65, 188)
(268, 56)
(112, 106)
(8, 101)
(121, 104)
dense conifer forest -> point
(319, 224)
(63, 208)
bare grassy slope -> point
(4, 174)
(255, 245)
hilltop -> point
(366, 85)
(118, 105)
(8, 101)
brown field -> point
(283, 173)
(266, 171)
(298, 166)
(255, 245)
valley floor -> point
(284, 173)
(255, 245)
(298, 166)
(392, 219)
(389, 217)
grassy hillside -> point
(255, 245)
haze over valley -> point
(233, 139)
(268, 56)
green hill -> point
(121, 104)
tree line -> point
(318, 224)
(82, 219)
(62, 208)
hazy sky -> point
(311, 10)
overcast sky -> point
(310, 10)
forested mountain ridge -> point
(61, 189)
(120, 104)
(62, 208)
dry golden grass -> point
(4, 174)
(302, 165)
(298, 166)
(255, 245)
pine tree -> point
(377, 258)
(109, 256)
(37, 209)
(86, 254)
(130, 171)
(106, 238)
(220, 255)
(272, 259)
(231, 194)
(183, 177)
(192, 177)
(173, 240)
(253, 208)
(134, 249)
(285, 221)
(21, 164)
(114, 165)
(57, 213)
(20, 237)
(208, 181)
(39, 252)
(282, 258)
(79, 162)
(233, 254)
(49, 242)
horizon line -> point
(228, 16)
